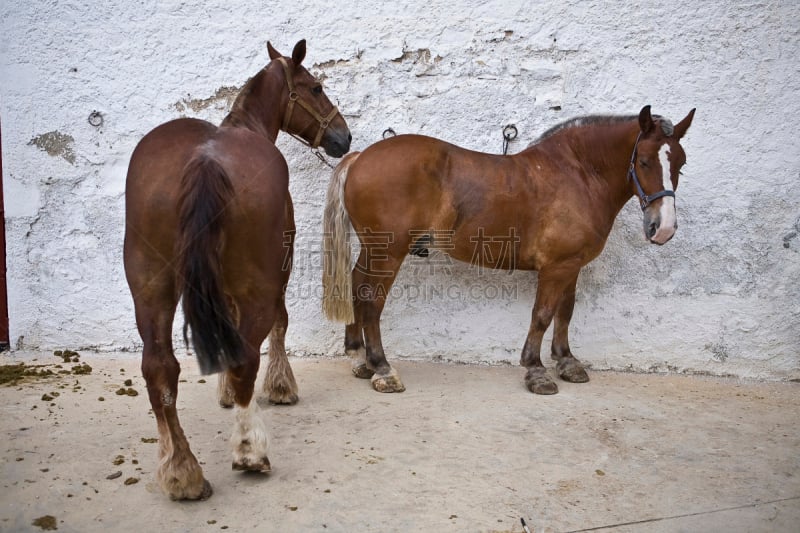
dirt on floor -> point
(465, 448)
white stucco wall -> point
(722, 297)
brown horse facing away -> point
(209, 219)
(549, 208)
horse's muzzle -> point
(336, 143)
(656, 231)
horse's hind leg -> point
(279, 383)
(355, 349)
(568, 366)
(178, 473)
(249, 439)
(224, 390)
(371, 290)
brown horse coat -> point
(549, 208)
(209, 220)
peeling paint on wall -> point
(56, 144)
(222, 99)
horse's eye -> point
(643, 163)
(317, 90)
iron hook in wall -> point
(509, 134)
(96, 118)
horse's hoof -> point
(205, 493)
(245, 464)
(361, 371)
(388, 383)
(225, 403)
(207, 490)
(569, 369)
(285, 398)
(538, 382)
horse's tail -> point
(205, 192)
(337, 260)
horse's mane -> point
(591, 120)
(244, 92)
(238, 116)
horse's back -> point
(422, 169)
(257, 169)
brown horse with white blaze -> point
(209, 220)
(549, 208)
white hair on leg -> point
(358, 359)
(249, 440)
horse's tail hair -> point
(205, 192)
(337, 259)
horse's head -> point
(654, 170)
(317, 122)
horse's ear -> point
(299, 52)
(273, 54)
(683, 125)
(645, 119)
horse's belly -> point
(500, 250)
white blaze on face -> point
(668, 215)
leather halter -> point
(324, 122)
(644, 200)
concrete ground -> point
(465, 448)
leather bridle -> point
(644, 199)
(323, 122)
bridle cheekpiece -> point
(323, 122)
(644, 200)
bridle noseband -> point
(644, 200)
(324, 122)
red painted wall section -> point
(4, 336)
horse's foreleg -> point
(179, 474)
(568, 366)
(548, 294)
(249, 439)
(279, 383)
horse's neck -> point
(257, 106)
(608, 157)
